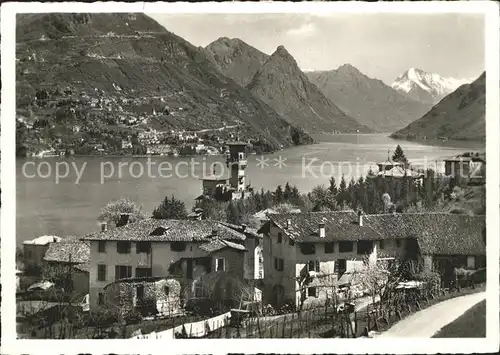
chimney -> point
(214, 232)
(123, 219)
(322, 229)
(360, 218)
(243, 227)
(288, 223)
(104, 226)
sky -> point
(382, 46)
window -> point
(313, 265)
(365, 246)
(329, 247)
(381, 244)
(341, 265)
(219, 264)
(100, 298)
(143, 272)
(178, 246)
(280, 237)
(398, 242)
(279, 264)
(166, 290)
(140, 292)
(101, 246)
(143, 247)
(345, 247)
(123, 272)
(307, 248)
(123, 247)
(101, 272)
(311, 291)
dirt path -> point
(429, 321)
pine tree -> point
(172, 208)
(278, 195)
(287, 194)
(342, 192)
(399, 156)
(333, 187)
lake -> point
(69, 204)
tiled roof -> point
(437, 233)
(339, 225)
(218, 244)
(69, 249)
(167, 230)
(243, 229)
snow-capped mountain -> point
(426, 87)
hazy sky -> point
(380, 45)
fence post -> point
(355, 322)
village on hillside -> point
(331, 270)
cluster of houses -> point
(293, 257)
(162, 264)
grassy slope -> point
(471, 324)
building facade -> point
(306, 254)
(183, 250)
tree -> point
(322, 199)
(343, 194)
(112, 211)
(172, 208)
(380, 278)
(278, 195)
(287, 194)
(399, 156)
(333, 187)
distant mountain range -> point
(96, 70)
(278, 81)
(368, 100)
(460, 115)
(426, 87)
(236, 59)
(129, 65)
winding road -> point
(427, 322)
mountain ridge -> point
(369, 100)
(426, 87)
(132, 67)
(280, 83)
(459, 115)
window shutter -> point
(129, 271)
(276, 263)
(117, 272)
(317, 265)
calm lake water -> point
(70, 205)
